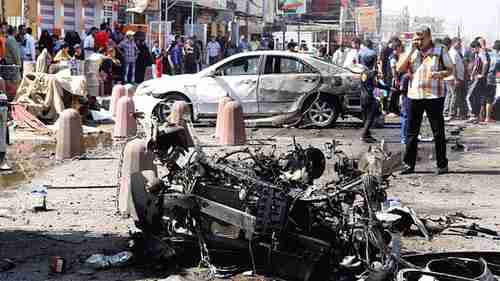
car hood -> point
(166, 83)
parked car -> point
(276, 85)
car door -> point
(238, 78)
(284, 81)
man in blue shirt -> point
(176, 57)
(367, 56)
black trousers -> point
(434, 109)
(370, 112)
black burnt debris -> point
(261, 211)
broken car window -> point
(241, 66)
(285, 65)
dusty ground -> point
(81, 222)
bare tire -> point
(322, 113)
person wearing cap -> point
(428, 64)
(78, 55)
(129, 53)
(369, 81)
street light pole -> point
(192, 18)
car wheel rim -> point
(321, 113)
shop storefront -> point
(69, 10)
(47, 15)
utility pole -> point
(192, 18)
(341, 21)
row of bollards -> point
(70, 133)
(230, 126)
(230, 130)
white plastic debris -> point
(100, 261)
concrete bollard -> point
(69, 135)
(220, 112)
(136, 158)
(179, 111)
(179, 115)
(116, 94)
(130, 90)
(125, 123)
(233, 125)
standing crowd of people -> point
(437, 77)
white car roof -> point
(273, 53)
(259, 53)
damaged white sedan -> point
(273, 87)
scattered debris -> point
(57, 264)
(39, 198)
(6, 264)
(100, 261)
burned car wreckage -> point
(260, 211)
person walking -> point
(428, 64)
(369, 104)
(129, 53)
(213, 51)
(12, 48)
(457, 108)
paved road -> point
(77, 217)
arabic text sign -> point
(291, 6)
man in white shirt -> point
(213, 51)
(339, 56)
(457, 106)
(352, 56)
(29, 47)
(89, 43)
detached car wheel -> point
(167, 105)
(322, 113)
